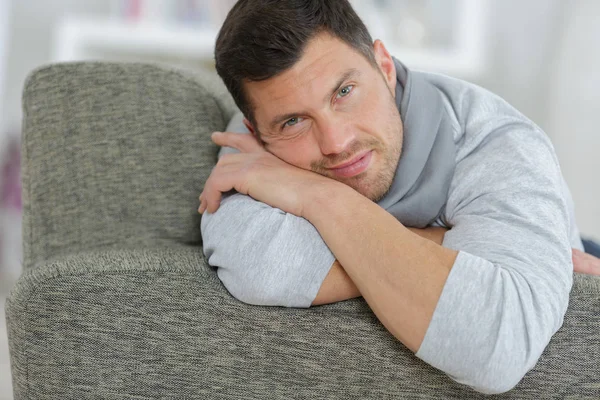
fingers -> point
(584, 263)
(202, 203)
(230, 173)
(219, 183)
(211, 196)
(228, 164)
(246, 143)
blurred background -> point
(542, 56)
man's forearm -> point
(338, 286)
(399, 273)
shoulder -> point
(477, 111)
(485, 121)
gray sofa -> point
(117, 302)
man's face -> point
(331, 108)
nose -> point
(334, 136)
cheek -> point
(373, 114)
(372, 103)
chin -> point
(379, 190)
(372, 193)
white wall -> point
(31, 30)
(4, 17)
(573, 114)
(545, 60)
(521, 40)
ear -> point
(386, 65)
(249, 127)
(254, 132)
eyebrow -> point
(352, 72)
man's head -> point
(314, 88)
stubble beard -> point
(374, 185)
(382, 182)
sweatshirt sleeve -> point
(263, 255)
(508, 290)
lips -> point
(354, 160)
(354, 167)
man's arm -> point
(488, 308)
(584, 263)
(399, 273)
(265, 256)
(484, 316)
(338, 286)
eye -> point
(292, 122)
(345, 91)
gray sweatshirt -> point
(511, 217)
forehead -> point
(301, 87)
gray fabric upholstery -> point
(117, 301)
(119, 154)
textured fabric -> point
(156, 323)
(152, 320)
(121, 155)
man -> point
(433, 199)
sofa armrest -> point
(157, 322)
(115, 152)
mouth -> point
(355, 166)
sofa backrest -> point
(116, 154)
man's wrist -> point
(321, 194)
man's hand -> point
(259, 174)
(584, 263)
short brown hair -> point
(262, 38)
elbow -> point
(489, 335)
(512, 358)
(261, 290)
(498, 378)
(246, 290)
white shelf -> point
(81, 38)
(78, 38)
(465, 58)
